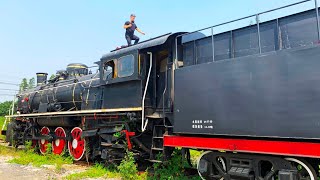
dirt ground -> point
(9, 171)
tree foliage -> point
(4, 108)
(52, 76)
(27, 84)
(24, 84)
(32, 83)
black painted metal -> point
(269, 95)
(122, 95)
(143, 45)
(61, 95)
(59, 121)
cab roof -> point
(142, 45)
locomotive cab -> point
(140, 76)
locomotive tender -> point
(248, 97)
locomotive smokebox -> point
(41, 78)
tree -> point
(52, 76)
(4, 108)
(32, 83)
(24, 84)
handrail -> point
(246, 17)
(257, 16)
(145, 123)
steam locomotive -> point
(248, 97)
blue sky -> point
(44, 36)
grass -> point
(26, 157)
(1, 123)
(173, 169)
(126, 170)
(5, 151)
(39, 160)
(98, 170)
(1, 120)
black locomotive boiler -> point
(248, 97)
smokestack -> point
(41, 78)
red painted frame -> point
(287, 148)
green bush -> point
(4, 108)
(173, 169)
(128, 168)
(195, 154)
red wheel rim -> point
(43, 143)
(76, 146)
(58, 145)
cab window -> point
(125, 66)
(109, 70)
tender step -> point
(157, 149)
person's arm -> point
(140, 31)
(127, 25)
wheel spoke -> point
(43, 143)
(76, 145)
(58, 145)
(218, 167)
(211, 167)
(304, 169)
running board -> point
(78, 113)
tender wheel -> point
(305, 170)
(211, 167)
(43, 143)
(59, 144)
(76, 146)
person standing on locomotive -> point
(130, 27)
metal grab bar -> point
(145, 123)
